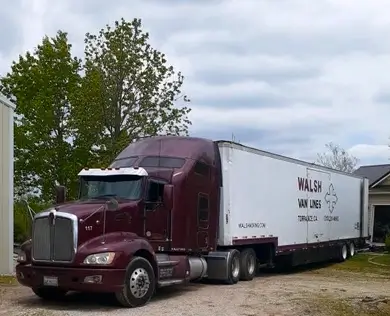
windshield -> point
(125, 187)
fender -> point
(26, 247)
(123, 243)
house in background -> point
(379, 200)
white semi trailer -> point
(310, 211)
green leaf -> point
(42, 84)
(129, 91)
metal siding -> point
(6, 188)
(379, 199)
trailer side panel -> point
(266, 197)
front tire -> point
(248, 262)
(233, 265)
(139, 285)
(49, 294)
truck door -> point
(204, 200)
(318, 229)
(156, 216)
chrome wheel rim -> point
(344, 252)
(139, 283)
(251, 264)
(352, 249)
(235, 267)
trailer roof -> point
(225, 143)
(6, 102)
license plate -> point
(50, 281)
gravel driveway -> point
(297, 293)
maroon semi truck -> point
(159, 216)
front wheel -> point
(49, 294)
(139, 285)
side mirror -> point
(60, 194)
(168, 196)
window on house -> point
(203, 210)
(202, 169)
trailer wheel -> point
(248, 262)
(351, 249)
(343, 253)
(49, 294)
(139, 284)
(233, 266)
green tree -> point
(337, 158)
(42, 84)
(129, 91)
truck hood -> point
(83, 209)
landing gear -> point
(248, 263)
(139, 284)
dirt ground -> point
(325, 290)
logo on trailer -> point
(331, 198)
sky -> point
(286, 76)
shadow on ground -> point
(107, 302)
(98, 302)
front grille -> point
(54, 241)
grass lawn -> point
(7, 280)
(365, 264)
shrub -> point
(387, 243)
(22, 219)
(22, 222)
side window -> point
(202, 169)
(124, 162)
(155, 192)
(203, 210)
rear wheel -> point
(233, 267)
(139, 285)
(351, 249)
(343, 253)
(49, 294)
(248, 264)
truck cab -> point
(146, 221)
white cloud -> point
(295, 73)
(374, 153)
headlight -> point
(103, 258)
(22, 257)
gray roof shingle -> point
(373, 173)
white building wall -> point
(6, 185)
